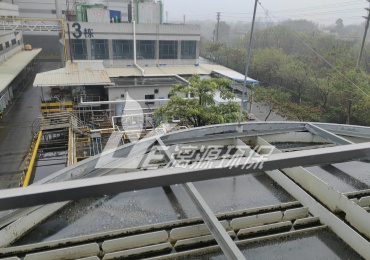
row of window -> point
(7, 44)
(123, 49)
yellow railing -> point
(61, 21)
(32, 161)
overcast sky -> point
(320, 11)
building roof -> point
(233, 75)
(94, 73)
(10, 69)
(77, 73)
(202, 69)
(123, 72)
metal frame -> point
(223, 239)
(79, 189)
(326, 134)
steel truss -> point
(78, 189)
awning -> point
(78, 73)
(11, 68)
(236, 76)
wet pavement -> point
(15, 132)
(159, 205)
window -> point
(168, 49)
(145, 50)
(14, 42)
(79, 50)
(7, 44)
(188, 49)
(99, 50)
(122, 50)
(1, 47)
(149, 97)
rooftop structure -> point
(15, 65)
(7, 9)
(283, 189)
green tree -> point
(339, 25)
(274, 98)
(200, 110)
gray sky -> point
(320, 11)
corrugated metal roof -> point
(204, 69)
(123, 72)
(75, 74)
(94, 73)
(10, 69)
(231, 74)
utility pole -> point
(184, 18)
(166, 16)
(218, 24)
(247, 64)
(364, 38)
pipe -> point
(161, 12)
(69, 147)
(134, 31)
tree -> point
(339, 25)
(274, 98)
(200, 110)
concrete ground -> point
(15, 132)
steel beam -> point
(223, 239)
(347, 130)
(79, 189)
(327, 135)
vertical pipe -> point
(161, 12)
(70, 43)
(137, 11)
(247, 64)
(134, 28)
(58, 9)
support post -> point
(247, 64)
(364, 38)
(218, 24)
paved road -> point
(15, 132)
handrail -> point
(61, 21)
(32, 161)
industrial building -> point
(95, 189)
(17, 65)
(144, 12)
